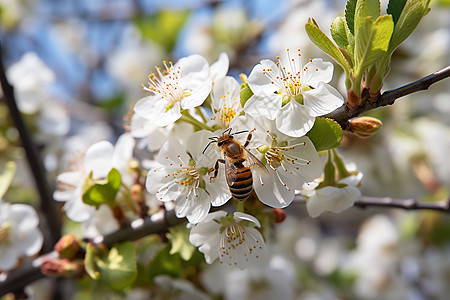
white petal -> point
(241, 216)
(264, 106)
(162, 186)
(271, 191)
(193, 67)
(352, 180)
(219, 69)
(153, 108)
(258, 82)
(98, 159)
(123, 152)
(314, 206)
(322, 100)
(140, 127)
(70, 178)
(317, 71)
(25, 215)
(341, 200)
(198, 90)
(294, 119)
(78, 211)
(8, 258)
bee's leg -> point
(215, 169)
(249, 138)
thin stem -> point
(48, 206)
(387, 202)
(344, 113)
(201, 114)
(187, 117)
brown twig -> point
(387, 202)
(343, 114)
(47, 205)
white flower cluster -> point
(213, 146)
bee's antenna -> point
(213, 140)
(242, 131)
(227, 131)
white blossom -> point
(231, 238)
(98, 160)
(225, 101)
(291, 93)
(181, 178)
(332, 198)
(290, 161)
(19, 234)
(184, 85)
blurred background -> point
(78, 66)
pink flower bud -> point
(364, 126)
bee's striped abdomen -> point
(243, 185)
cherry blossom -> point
(291, 93)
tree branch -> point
(31, 271)
(343, 113)
(47, 205)
(387, 202)
(162, 221)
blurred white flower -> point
(99, 159)
(30, 78)
(331, 198)
(181, 178)
(274, 278)
(231, 238)
(184, 85)
(19, 233)
(177, 289)
(291, 93)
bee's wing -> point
(254, 164)
(230, 171)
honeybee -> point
(238, 161)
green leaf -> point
(339, 32)
(325, 134)
(163, 27)
(372, 40)
(412, 13)
(365, 9)
(325, 44)
(395, 8)
(105, 192)
(179, 236)
(245, 93)
(350, 9)
(6, 177)
(116, 267)
(165, 263)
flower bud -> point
(364, 126)
(62, 267)
(67, 246)
(278, 215)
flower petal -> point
(98, 159)
(264, 106)
(322, 100)
(198, 91)
(294, 119)
(258, 82)
(219, 69)
(271, 191)
(317, 71)
(153, 108)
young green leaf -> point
(116, 267)
(164, 263)
(245, 93)
(372, 40)
(179, 236)
(395, 8)
(350, 9)
(338, 32)
(364, 9)
(325, 134)
(412, 13)
(325, 44)
(105, 192)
